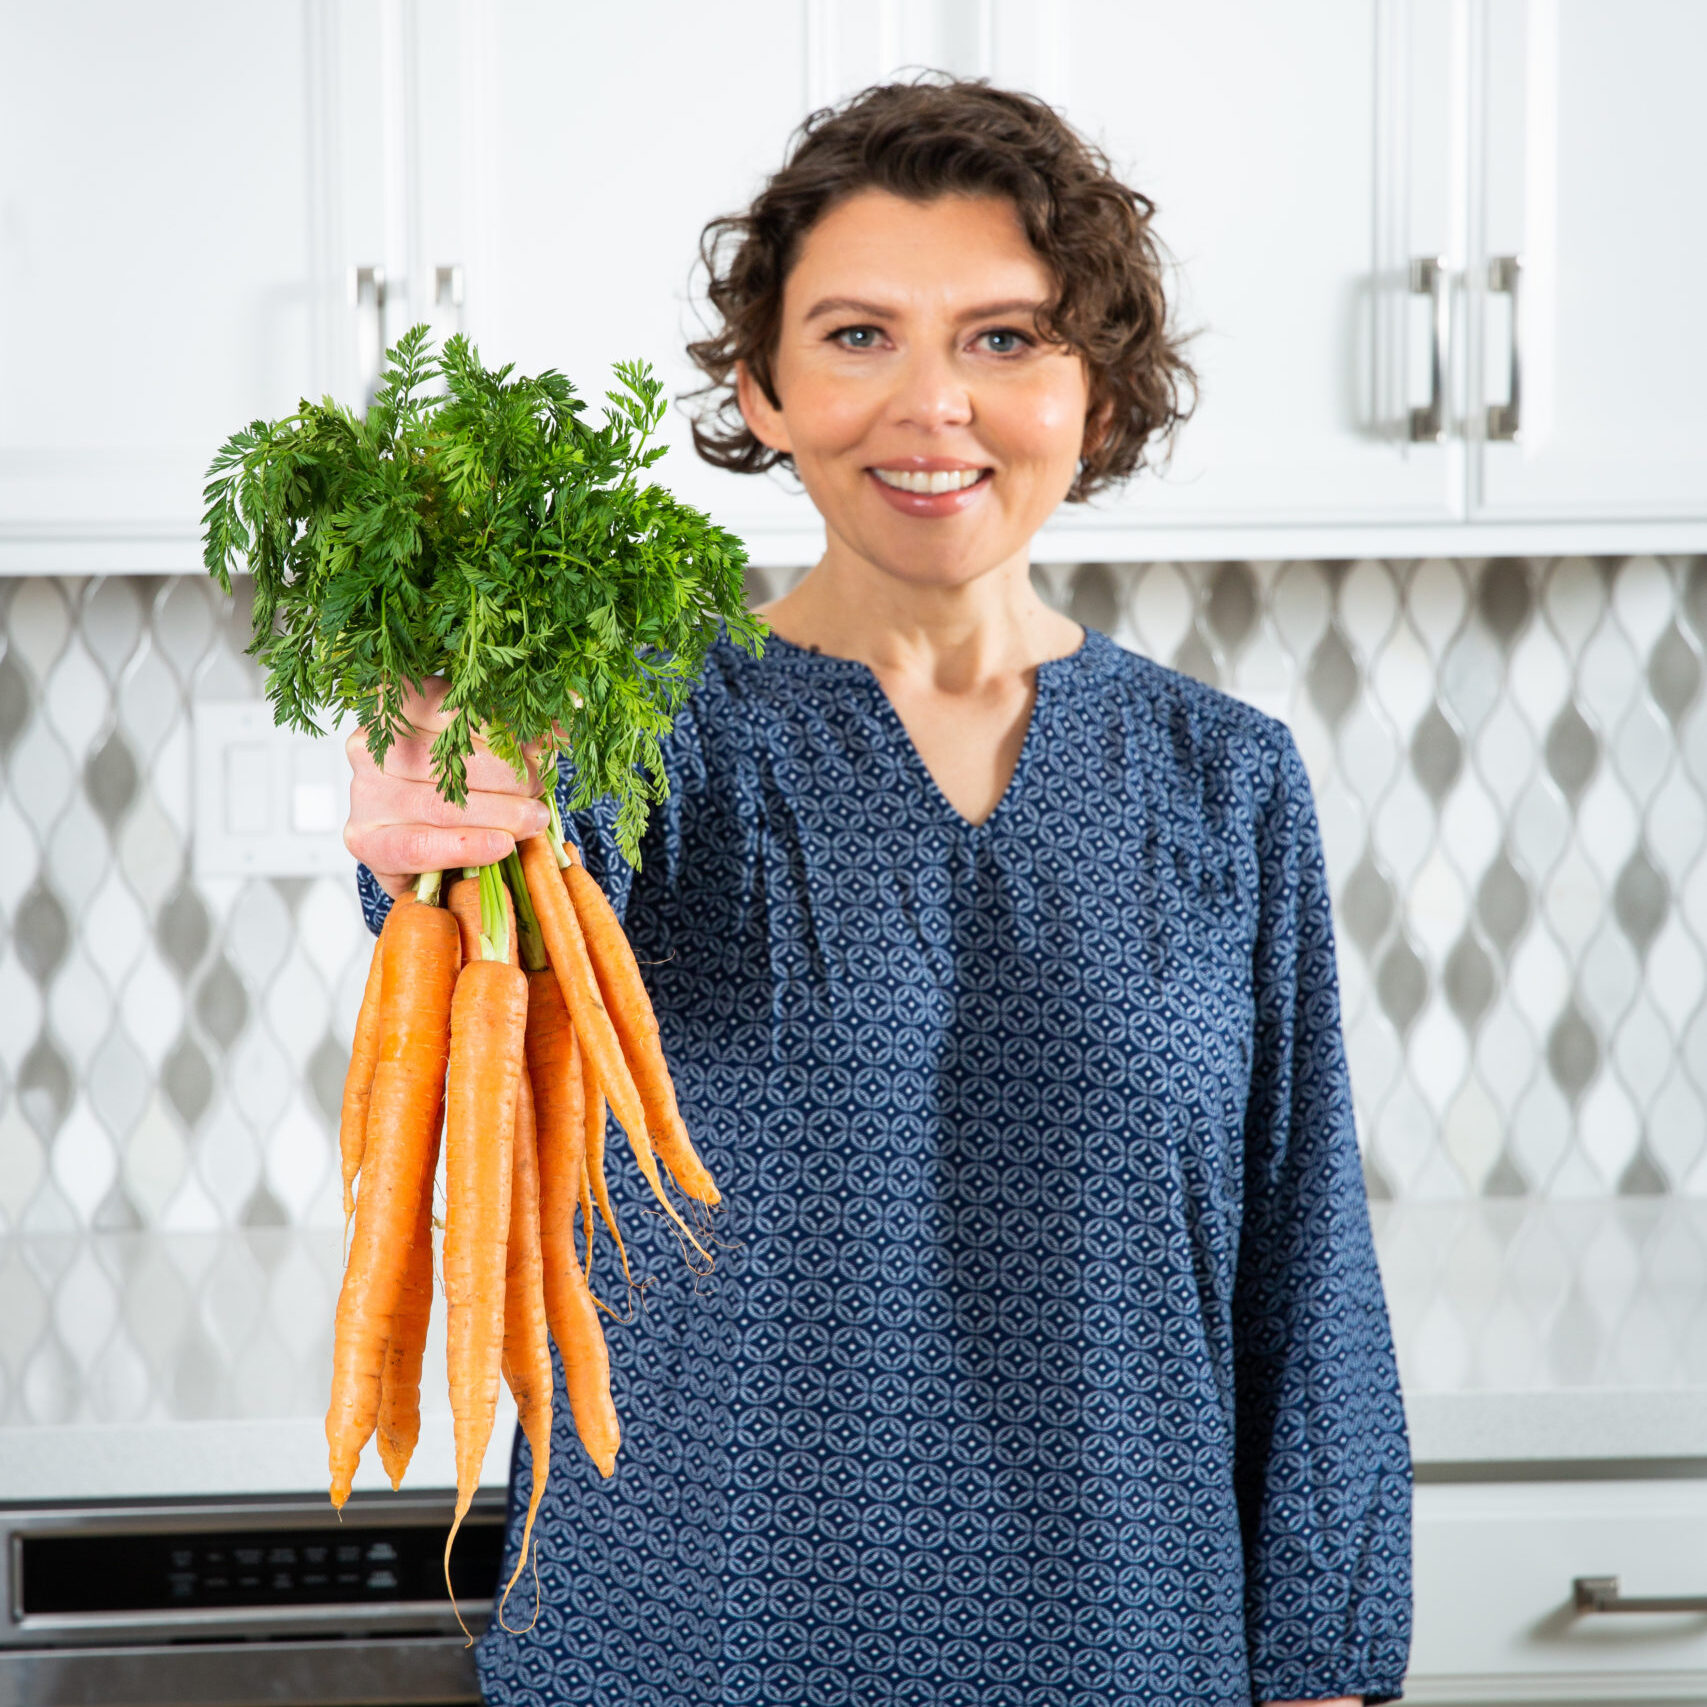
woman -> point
(1046, 1359)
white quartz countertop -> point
(1529, 1333)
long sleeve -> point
(1323, 1464)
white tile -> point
(299, 1156)
(155, 1160)
(1473, 1132)
(1644, 597)
(1301, 606)
(151, 1006)
(80, 1007)
(84, 1160)
(1608, 1129)
(23, 1162)
(1401, 676)
(111, 620)
(1368, 605)
(1539, 676)
(41, 778)
(1573, 596)
(79, 856)
(114, 929)
(78, 700)
(150, 701)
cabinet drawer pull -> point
(1429, 278)
(1601, 1594)
(1506, 419)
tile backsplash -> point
(1510, 764)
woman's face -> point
(931, 425)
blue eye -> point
(857, 337)
(1004, 340)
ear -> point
(763, 417)
(1097, 420)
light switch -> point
(270, 802)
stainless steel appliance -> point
(229, 1602)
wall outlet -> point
(269, 802)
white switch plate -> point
(269, 802)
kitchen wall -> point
(1510, 761)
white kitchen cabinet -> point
(1296, 156)
(188, 190)
(184, 189)
(1594, 142)
(1496, 1619)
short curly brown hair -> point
(939, 137)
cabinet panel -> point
(160, 257)
(1293, 154)
(1494, 1613)
(605, 138)
(1595, 139)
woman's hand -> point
(399, 827)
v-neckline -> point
(1047, 671)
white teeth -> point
(933, 480)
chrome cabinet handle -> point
(1505, 419)
(1601, 1594)
(1429, 278)
(367, 291)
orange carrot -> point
(364, 1057)
(488, 1022)
(554, 1063)
(463, 899)
(593, 1163)
(568, 951)
(630, 1009)
(400, 1381)
(527, 1350)
(420, 969)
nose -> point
(930, 393)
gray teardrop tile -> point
(1505, 597)
(110, 779)
(1231, 609)
(1376, 1186)
(115, 1213)
(263, 1210)
(1572, 752)
(757, 587)
(1331, 678)
(1674, 673)
(291, 890)
(44, 1088)
(1642, 1177)
(1367, 904)
(1401, 985)
(1196, 660)
(326, 1069)
(1574, 1341)
(1505, 1179)
(187, 1081)
(1469, 981)
(183, 930)
(1695, 598)
(1573, 1052)
(1503, 903)
(41, 933)
(1437, 755)
(1640, 899)
(1094, 597)
(16, 702)
(222, 1004)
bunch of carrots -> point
(507, 1008)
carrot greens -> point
(475, 525)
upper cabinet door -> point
(1594, 138)
(1298, 159)
(596, 141)
(171, 266)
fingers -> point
(411, 757)
(397, 853)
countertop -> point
(1530, 1334)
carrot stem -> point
(527, 920)
(494, 925)
(427, 888)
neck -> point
(953, 636)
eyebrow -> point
(878, 311)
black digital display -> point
(193, 1570)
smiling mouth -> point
(930, 481)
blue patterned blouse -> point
(1045, 1360)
